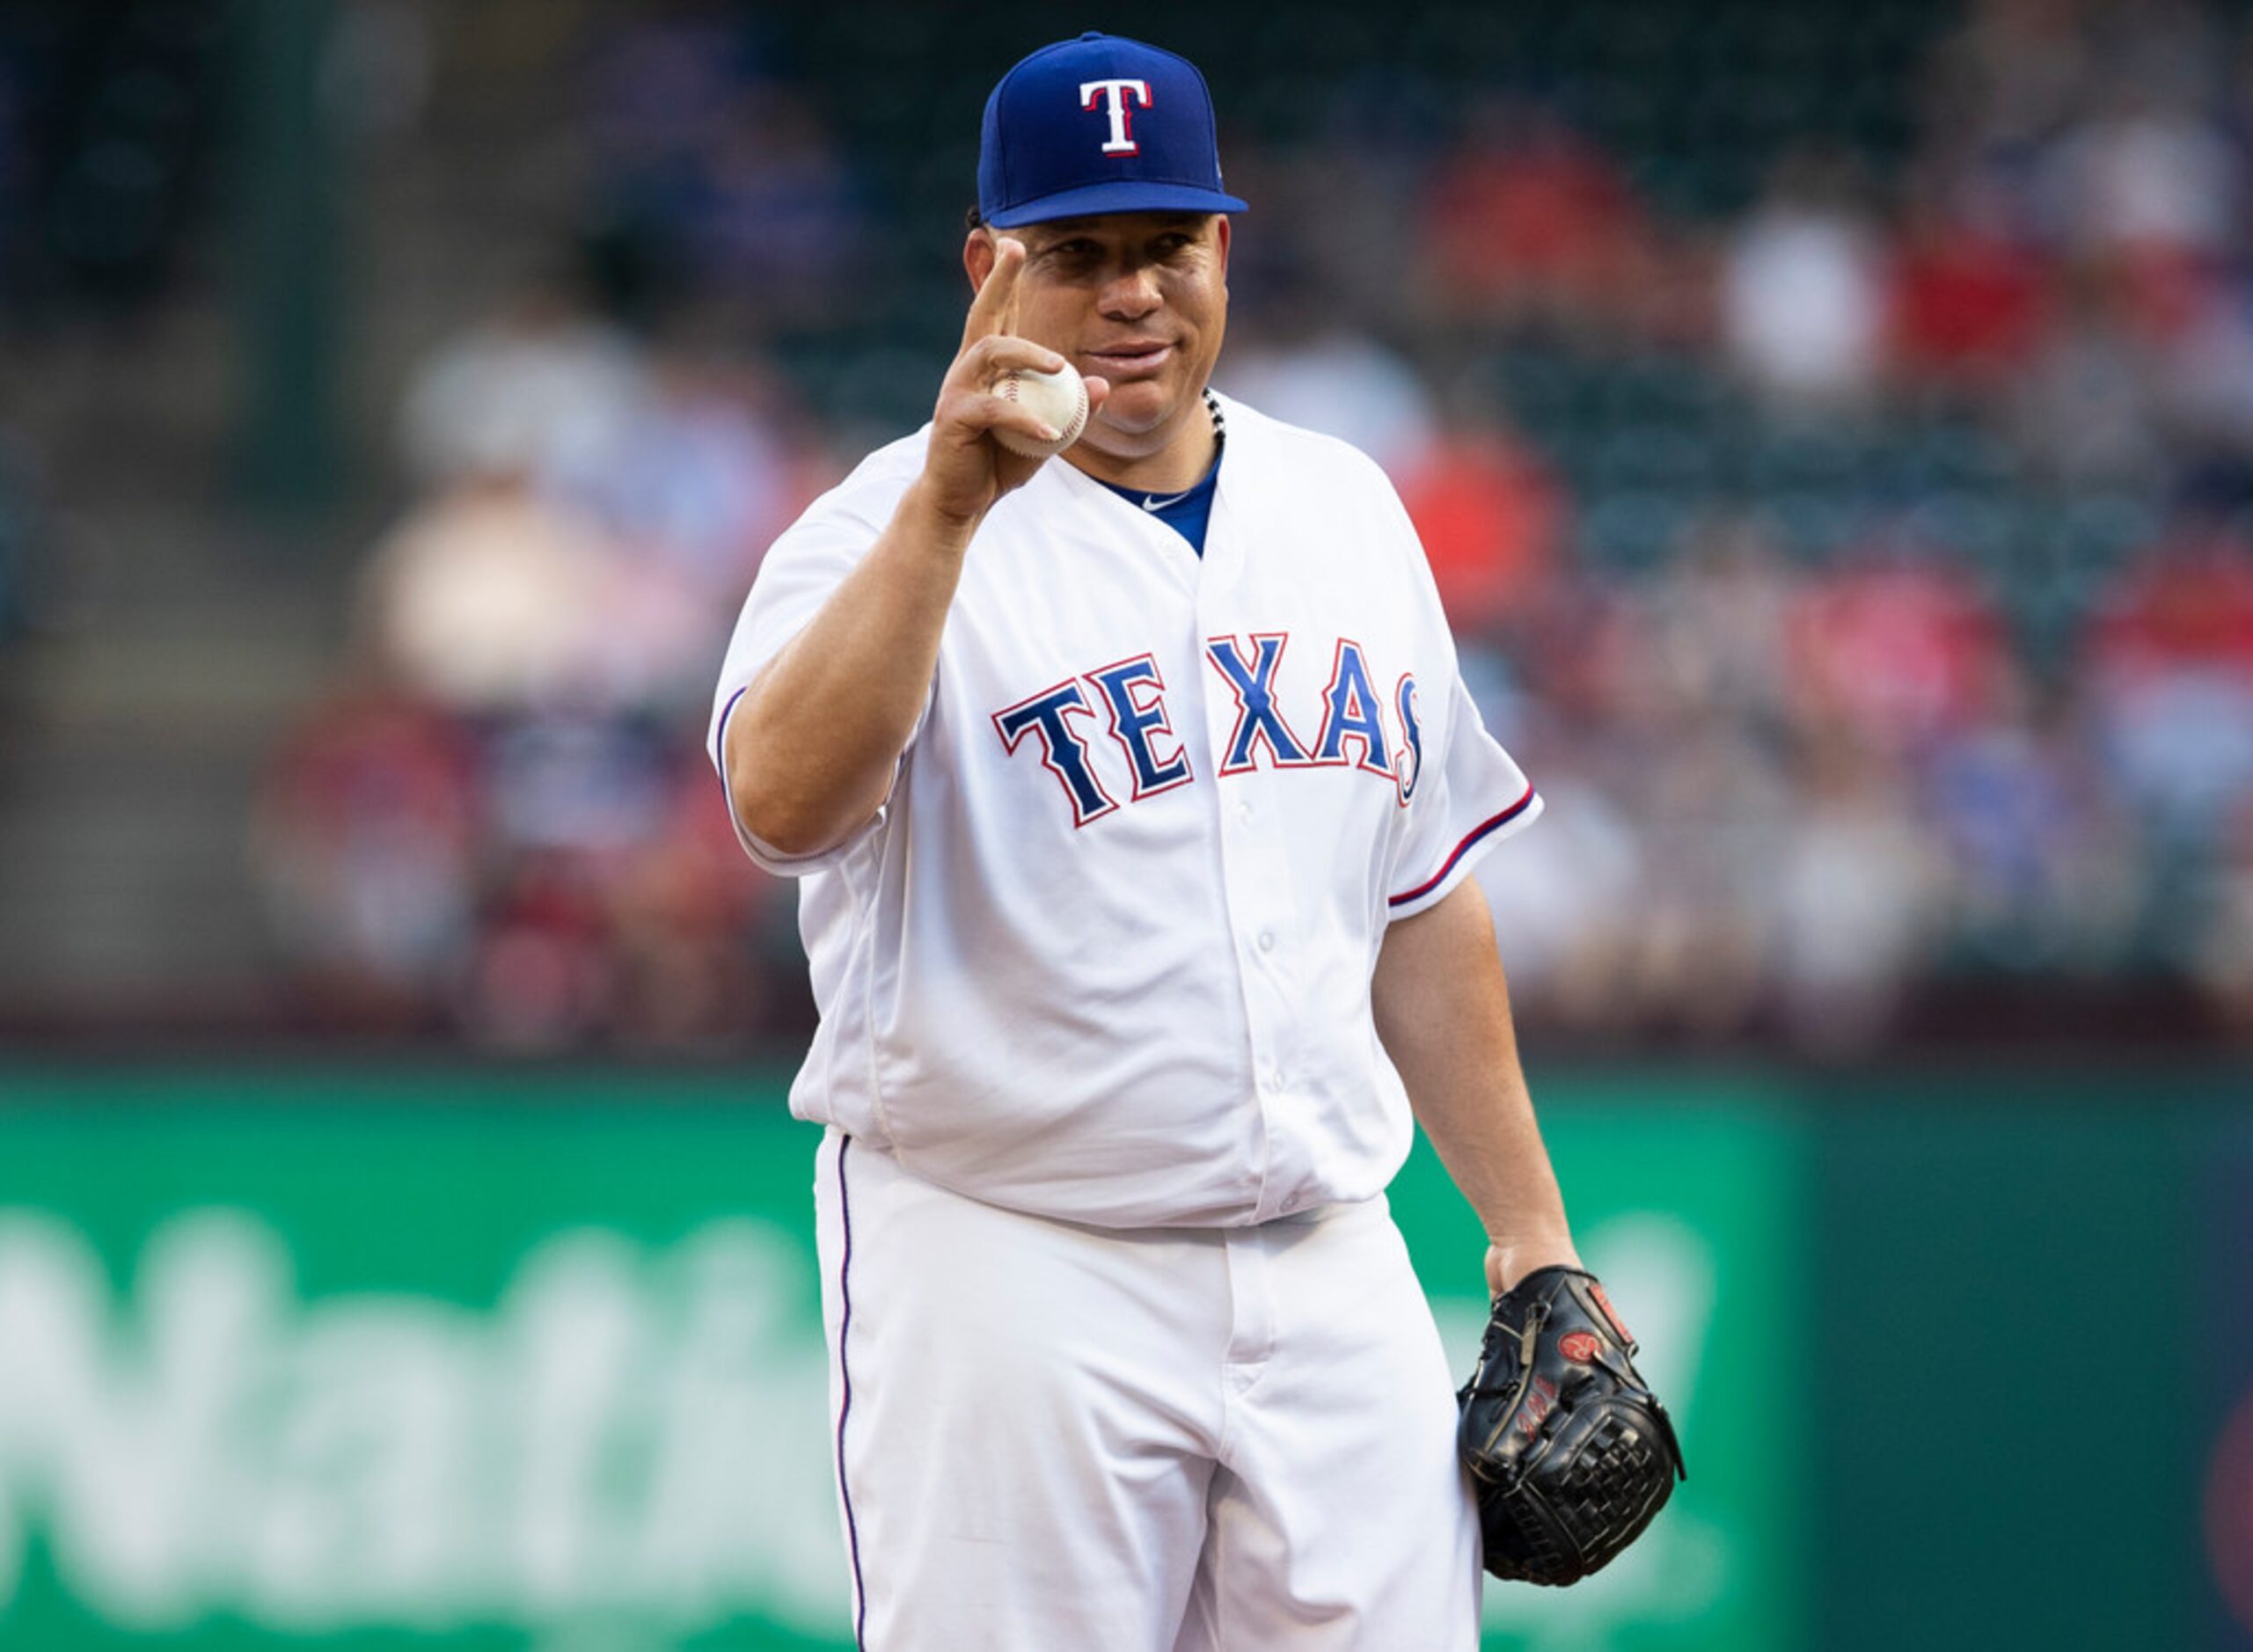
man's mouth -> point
(1131, 359)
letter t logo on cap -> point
(1114, 94)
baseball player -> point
(1134, 793)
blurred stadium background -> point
(1833, 428)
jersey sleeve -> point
(1467, 795)
(1464, 793)
(799, 574)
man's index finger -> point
(995, 305)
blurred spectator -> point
(367, 844)
(663, 83)
(541, 979)
(1803, 300)
(702, 477)
(1715, 810)
(1530, 223)
(596, 521)
(2148, 179)
(1968, 301)
(1492, 518)
(714, 174)
(1895, 645)
(2084, 411)
(1858, 898)
(777, 221)
(541, 387)
(1566, 907)
(2038, 865)
(490, 599)
(2172, 659)
(1720, 624)
(689, 927)
(662, 80)
(577, 784)
(1314, 370)
(2205, 395)
(2008, 79)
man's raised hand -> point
(965, 471)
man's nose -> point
(1132, 293)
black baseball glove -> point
(1569, 1451)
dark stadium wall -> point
(2013, 1342)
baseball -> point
(1058, 399)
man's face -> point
(1140, 298)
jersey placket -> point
(1255, 862)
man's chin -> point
(1139, 408)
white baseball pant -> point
(1056, 1436)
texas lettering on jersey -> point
(1126, 701)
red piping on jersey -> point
(1475, 833)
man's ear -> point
(978, 254)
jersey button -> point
(1267, 940)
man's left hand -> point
(1507, 1261)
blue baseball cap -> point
(1096, 125)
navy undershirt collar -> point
(1185, 513)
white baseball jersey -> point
(1105, 953)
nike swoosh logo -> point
(1153, 504)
